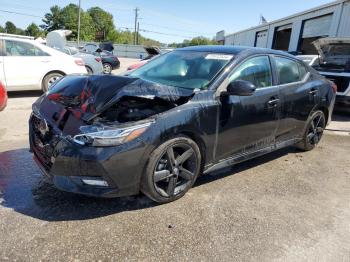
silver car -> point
(93, 63)
(57, 39)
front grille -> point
(42, 142)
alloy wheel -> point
(52, 80)
(107, 69)
(316, 129)
(175, 170)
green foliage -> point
(199, 40)
(53, 20)
(102, 21)
(10, 28)
(33, 30)
(69, 18)
(96, 24)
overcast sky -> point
(169, 20)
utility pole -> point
(79, 24)
(137, 33)
(136, 18)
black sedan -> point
(186, 113)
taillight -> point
(98, 59)
(334, 87)
(79, 62)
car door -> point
(249, 123)
(299, 96)
(24, 65)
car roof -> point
(234, 50)
(17, 39)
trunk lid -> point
(334, 51)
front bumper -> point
(342, 104)
(68, 164)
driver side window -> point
(256, 70)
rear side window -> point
(17, 48)
(256, 70)
(302, 71)
(289, 71)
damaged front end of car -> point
(92, 134)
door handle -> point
(273, 102)
(313, 92)
(45, 61)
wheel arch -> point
(88, 66)
(50, 72)
(201, 144)
(325, 111)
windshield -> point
(185, 69)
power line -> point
(17, 13)
(162, 33)
(127, 28)
(179, 30)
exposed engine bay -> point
(134, 109)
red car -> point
(152, 52)
(3, 96)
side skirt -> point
(246, 156)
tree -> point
(70, 21)
(2, 29)
(103, 22)
(33, 30)
(53, 20)
(10, 28)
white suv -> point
(28, 65)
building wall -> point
(344, 25)
(340, 26)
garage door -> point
(319, 26)
(261, 39)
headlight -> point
(108, 136)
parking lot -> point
(287, 205)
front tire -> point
(314, 131)
(49, 79)
(172, 170)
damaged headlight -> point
(109, 136)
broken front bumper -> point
(95, 171)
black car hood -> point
(89, 96)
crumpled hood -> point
(88, 96)
(333, 50)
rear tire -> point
(313, 132)
(49, 79)
(107, 68)
(172, 170)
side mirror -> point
(98, 50)
(240, 88)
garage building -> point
(296, 33)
